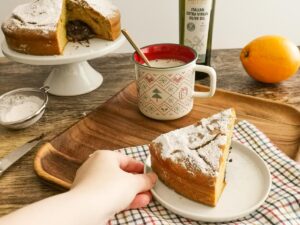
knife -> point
(15, 155)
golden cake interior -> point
(193, 160)
(61, 28)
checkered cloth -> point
(281, 207)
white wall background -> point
(236, 21)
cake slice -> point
(192, 160)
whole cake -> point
(192, 160)
(43, 27)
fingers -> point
(141, 200)
(144, 182)
(130, 165)
(126, 163)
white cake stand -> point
(72, 74)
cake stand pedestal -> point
(72, 74)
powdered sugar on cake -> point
(197, 145)
(43, 15)
(105, 7)
(40, 15)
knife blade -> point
(15, 155)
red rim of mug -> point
(166, 51)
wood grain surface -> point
(118, 123)
(20, 186)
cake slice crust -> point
(192, 160)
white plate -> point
(248, 185)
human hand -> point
(105, 184)
(114, 179)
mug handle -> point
(213, 81)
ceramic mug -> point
(166, 90)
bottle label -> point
(197, 16)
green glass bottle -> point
(196, 19)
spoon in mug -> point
(133, 44)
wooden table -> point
(20, 186)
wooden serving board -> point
(118, 124)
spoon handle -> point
(124, 31)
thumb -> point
(145, 181)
